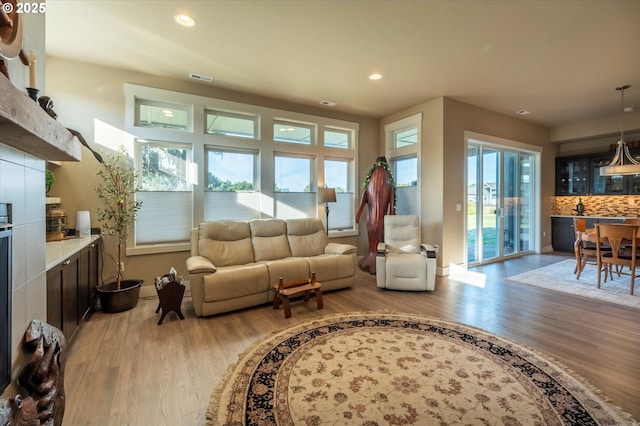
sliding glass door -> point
(499, 202)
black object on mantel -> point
(580, 208)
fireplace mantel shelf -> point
(27, 127)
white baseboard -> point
(547, 249)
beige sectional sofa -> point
(234, 264)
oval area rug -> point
(399, 369)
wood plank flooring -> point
(123, 369)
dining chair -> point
(632, 221)
(586, 249)
(617, 235)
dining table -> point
(589, 235)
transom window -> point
(231, 124)
(336, 138)
(405, 137)
(163, 115)
(292, 132)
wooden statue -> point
(42, 380)
(379, 197)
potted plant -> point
(119, 212)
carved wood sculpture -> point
(379, 197)
(10, 35)
(42, 380)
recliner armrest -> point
(337, 248)
(428, 250)
(200, 265)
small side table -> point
(284, 290)
(170, 299)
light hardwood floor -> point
(123, 369)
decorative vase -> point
(114, 300)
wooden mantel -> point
(27, 127)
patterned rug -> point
(560, 277)
(398, 369)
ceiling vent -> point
(522, 112)
(201, 77)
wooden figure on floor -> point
(379, 197)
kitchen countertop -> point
(596, 217)
(57, 251)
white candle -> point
(32, 69)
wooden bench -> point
(284, 290)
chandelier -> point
(623, 163)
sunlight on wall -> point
(460, 274)
(107, 136)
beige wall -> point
(83, 93)
(444, 161)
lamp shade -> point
(327, 195)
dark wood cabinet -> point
(563, 235)
(71, 289)
(572, 175)
(580, 175)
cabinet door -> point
(88, 278)
(54, 296)
(572, 175)
(70, 268)
(606, 185)
(562, 234)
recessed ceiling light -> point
(184, 20)
(375, 76)
(328, 103)
(522, 112)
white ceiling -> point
(560, 60)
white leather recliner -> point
(402, 262)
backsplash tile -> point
(601, 205)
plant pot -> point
(113, 299)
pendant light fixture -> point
(623, 163)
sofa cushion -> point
(307, 237)
(269, 239)
(236, 281)
(330, 267)
(291, 268)
(225, 242)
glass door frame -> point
(502, 146)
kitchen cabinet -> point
(71, 287)
(572, 175)
(580, 175)
(562, 234)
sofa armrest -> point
(381, 249)
(337, 248)
(200, 265)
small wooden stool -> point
(284, 290)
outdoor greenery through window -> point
(220, 165)
(230, 171)
(164, 190)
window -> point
(405, 172)
(231, 185)
(163, 115)
(336, 175)
(165, 191)
(405, 137)
(231, 124)
(336, 138)
(291, 132)
(180, 139)
(403, 140)
(293, 195)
